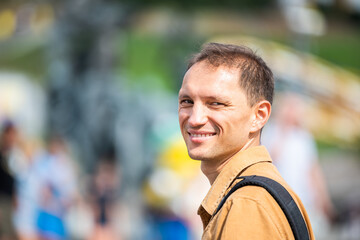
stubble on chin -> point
(194, 156)
(199, 156)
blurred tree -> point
(80, 63)
(84, 104)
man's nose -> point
(198, 116)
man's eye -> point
(217, 104)
(186, 101)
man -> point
(224, 102)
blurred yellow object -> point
(173, 171)
(7, 24)
(42, 19)
(176, 157)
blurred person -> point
(20, 164)
(104, 187)
(8, 140)
(57, 189)
(224, 102)
(295, 155)
(27, 186)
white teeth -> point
(201, 135)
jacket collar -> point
(231, 170)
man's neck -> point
(211, 169)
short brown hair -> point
(256, 77)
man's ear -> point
(262, 111)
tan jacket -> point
(250, 212)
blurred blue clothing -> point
(173, 230)
(56, 187)
(168, 228)
(50, 225)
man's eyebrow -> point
(210, 97)
(217, 98)
(184, 96)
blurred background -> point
(90, 146)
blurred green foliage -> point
(144, 62)
(23, 55)
(341, 49)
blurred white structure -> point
(22, 101)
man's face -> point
(214, 116)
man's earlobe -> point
(262, 112)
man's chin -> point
(198, 155)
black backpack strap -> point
(282, 197)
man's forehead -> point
(205, 65)
(206, 74)
(214, 89)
